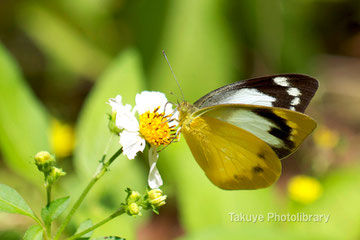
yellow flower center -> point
(155, 128)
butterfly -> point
(239, 133)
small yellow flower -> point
(326, 138)
(304, 189)
(62, 138)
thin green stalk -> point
(113, 157)
(98, 174)
(48, 201)
(112, 216)
(48, 194)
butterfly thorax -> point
(186, 110)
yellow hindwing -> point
(231, 157)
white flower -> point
(154, 126)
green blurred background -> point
(61, 60)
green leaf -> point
(23, 121)
(83, 226)
(51, 212)
(12, 202)
(34, 233)
(47, 27)
(299, 45)
(109, 238)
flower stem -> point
(102, 168)
(48, 201)
(113, 157)
(120, 211)
(48, 194)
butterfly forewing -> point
(291, 91)
(232, 158)
(283, 130)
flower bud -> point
(44, 160)
(112, 123)
(156, 198)
(55, 174)
(43, 157)
(134, 196)
(133, 209)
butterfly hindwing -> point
(291, 91)
(283, 130)
(231, 157)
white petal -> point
(132, 143)
(154, 179)
(125, 119)
(115, 103)
(148, 101)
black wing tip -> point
(313, 82)
(308, 78)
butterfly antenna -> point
(182, 94)
(175, 95)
